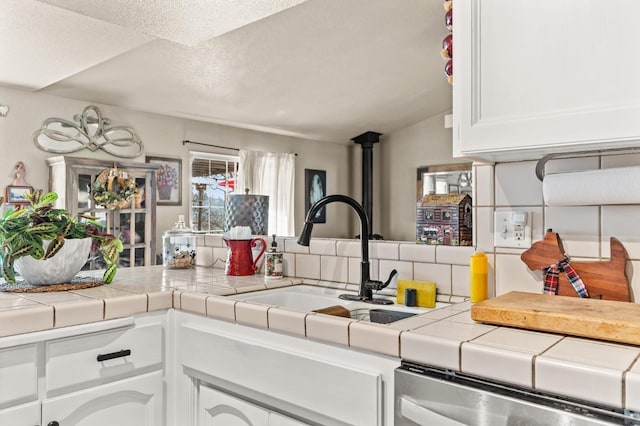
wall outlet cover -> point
(512, 228)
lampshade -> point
(247, 210)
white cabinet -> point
(21, 415)
(219, 409)
(105, 373)
(216, 408)
(137, 401)
(300, 379)
(97, 357)
(544, 76)
(276, 419)
(18, 375)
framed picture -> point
(168, 180)
(17, 194)
(315, 184)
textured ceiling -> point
(318, 69)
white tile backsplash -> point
(291, 246)
(437, 273)
(405, 270)
(354, 269)
(417, 252)
(334, 268)
(584, 230)
(213, 240)
(512, 274)
(616, 222)
(460, 280)
(626, 160)
(483, 228)
(308, 266)
(384, 250)
(566, 165)
(325, 247)
(289, 264)
(204, 256)
(454, 255)
(517, 184)
(483, 185)
(220, 257)
(348, 248)
(633, 274)
(578, 227)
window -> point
(213, 178)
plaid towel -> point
(552, 273)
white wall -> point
(426, 143)
(163, 136)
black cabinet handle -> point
(112, 355)
(53, 423)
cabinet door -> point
(18, 366)
(276, 419)
(131, 402)
(545, 76)
(21, 415)
(220, 409)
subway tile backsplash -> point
(585, 232)
(337, 260)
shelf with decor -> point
(121, 195)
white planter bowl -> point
(58, 269)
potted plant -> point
(40, 231)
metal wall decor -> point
(88, 131)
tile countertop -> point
(603, 373)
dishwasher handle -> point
(424, 416)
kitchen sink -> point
(307, 298)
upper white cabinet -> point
(534, 77)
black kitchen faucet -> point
(367, 285)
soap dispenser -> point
(179, 246)
(273, 268)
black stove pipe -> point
(366, 141)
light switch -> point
(512, 229)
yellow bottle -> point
(478, 277)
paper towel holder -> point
(577, 154)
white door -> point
(21, 415)
(137, 401)
(219, 409)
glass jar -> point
(179, 246)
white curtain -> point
(272, 174)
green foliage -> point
(23, 231)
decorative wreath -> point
(114, 189)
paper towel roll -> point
(620, 185)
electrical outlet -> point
(512, 229)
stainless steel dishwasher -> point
(429, 396)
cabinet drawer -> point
(99, 357)
(18, 375)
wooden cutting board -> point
(598, 319)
